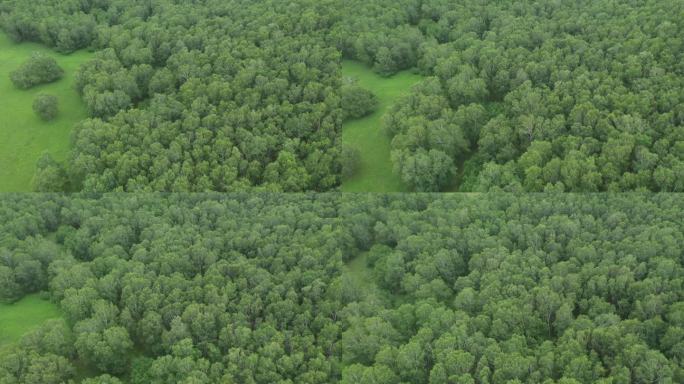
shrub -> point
(45, 106)
(39, 69)
(357, 102)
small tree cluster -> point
(38, 69)
(45, 106)
(357, 101)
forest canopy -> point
(235, 95)
(363, 288)
(532, 95)
(195, 96)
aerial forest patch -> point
(542, 95)
(246, 95)
(31, 129)
(353, 289)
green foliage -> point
(543, 73)
(38, 69)
(357, 101)
(476, 295)
(350, 159)
(428, 137)
(33, 368)
(177, 106)
(50, 175)
(423, 170)
(108, 350)
(254, 288)
(45, 106)
(103, 379)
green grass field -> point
(19, 318)
(23, 136)
(366, 134)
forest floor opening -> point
(366, 134)
(24, 137)
(18, 319)
(363, 281)
(360, 273)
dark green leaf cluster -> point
(38, 69)
(45, 106)
(357, 101)
(352, 289)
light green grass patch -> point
(362, 275)
(17, 319)
(23, 135)
(366, 134)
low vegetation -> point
(20, 318)
(364, 140)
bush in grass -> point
(45, 106)
(357, 101)
(39, 69)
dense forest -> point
(530, 95)
(268, 288)
(243, 100)
(194, 96)
(235, 95)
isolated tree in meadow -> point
(38, 69)
(46, 106)
(357, 101)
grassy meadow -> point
(366, 134)
(23, 135)
(19, 318)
